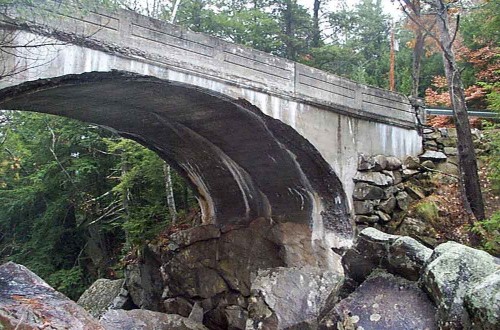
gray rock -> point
(374, 178)
(382, 302)
(450, 151)
(398, 177)
(452, 133)
(483, 303)
(383, 216)
(366, 219)
(448, 168)
(196, 313)
(369, 251)
(140, 319)
(27, 302)
(428, 164)
(403, 200)
(407, 173)
(189, 236)
(365, 162)
(293, 295)
(236, 317)
(260, 316)
(393, 163)
(365, 191)
(435, 156)
(380, 162)
(452, 271)
(430, 144)
(435, 134)
(99, 297)
(144, 281)
(388, 205)
(417, 228)
(363, 207)
(373, 163)
(177, 305)
(411, 163)
(447, 142)
(407, 257)
(414, 192)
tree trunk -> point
(466, 154)
(316, 31)
(289, 30)
(170, 193)
(417, 52)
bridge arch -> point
(241, 163)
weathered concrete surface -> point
(27, 302)
(339, 117)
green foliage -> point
(490, 230)
(73, 194)
(481, 25)
(70, 281)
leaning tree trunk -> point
(466, 154)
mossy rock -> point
(427, 210)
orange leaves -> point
(438, 96)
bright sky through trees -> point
(389, 6)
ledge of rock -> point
(140, 319)
(27, 302)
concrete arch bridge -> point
(255, 135)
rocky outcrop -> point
(483, 303)
(27, 302)
(390, 282)
(222, 271)
(452, 272)
(382, 302)
(139, 319)
(287, 297)
(390, 278)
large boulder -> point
(102, 295)
(140, 319)
(451, 272)
(369, 251)
(27, 302)
(286, 297)
(407, 257)
(483, 303)
(382, 302)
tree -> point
(14, 50)
(473, 200)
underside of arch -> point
(242, 163)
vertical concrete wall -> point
(339, 117)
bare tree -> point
(473, 200)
